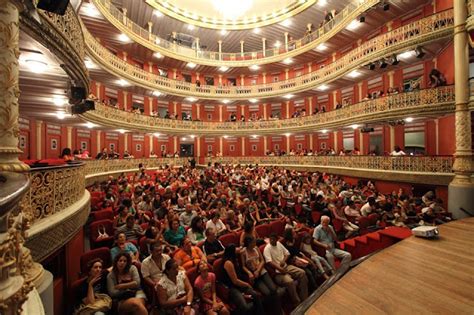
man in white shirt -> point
(367, 208)
(276, 255)
(152, 267)
(216, 224)
(397, 151)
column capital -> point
(242, 41)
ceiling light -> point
(277, 44)
(354, 126)
(158, 55)
(122, 82)
(406, 54)
(90, 125)
(157, 13)
(287, 134)
(287, 61)
(91, 10)
(190, 27)
(191, 99)
(225, 136)
(353, 25)
(254, 67)
(354, 74)
(195, 16)
(288, 96)
(324, 131)
(286, 22)
(157, 41)
(257, 30)
(59, 101)
(90, 64)
(323, 87)
(409, 119)
(157, 134)
(122, 130)
(157, 93)
(254, 136)
(231, 9)
(191, 65)
(223, 69)
(322, 47)
(123, 38)
(192, 136)
(223, 32)
(60, 115)
(225, 101)
(322, 2)
(183, 139)
(253, 100)
(36, 66)
(302, 1)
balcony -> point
(421, 32)
(423, 102)
(214, 58)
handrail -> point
(420, 32)
(427, 101)
(417, 164)
(94, 167)
(237, 59)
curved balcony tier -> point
(421, 32)
(214, 58)
(418, 103)
(432, 170)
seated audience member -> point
(241, 293)
(325, 237)
(121, 218)
(175, 234)
(93, 291)
(323, 266)
(397, 151)
(253, 264)
(187, 216)
(67, 155)
(121, 245)
(436, 78)
(205, 286)
(249, 230)
(131, 230)
(351, 211)
(175, 293)
(232, 222)
(348, 226)
(216, 223)
(212, 247)
(123, 284)
(152, 267)
(153, 234)
(196, 232)
(368, 207)
(188, 256)
(277, 255)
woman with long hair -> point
(205, 285)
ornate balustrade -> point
(470, 20)
(422, 102)
(434, 170)
(423, 31)
(213, 58)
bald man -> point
(325, 237)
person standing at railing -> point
(397, 151)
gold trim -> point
(212, 58)
(428, 102)
(421, 32)
(239, 24)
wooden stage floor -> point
(414, 276)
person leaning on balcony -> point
(103, 155)
(397, 151)
(436, 79)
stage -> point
(414, 276)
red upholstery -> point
(230, 238)
(263, 230)
(337, 225)
(396, 232)
(315, 216)
(142, 245)
(102, 253)
(102, 215)
(107, 242)
(277, 227)
(74, 292)
(373, 218)
(364, 224)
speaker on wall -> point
(77, 94)
(54, 6)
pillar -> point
(390, 79)
(310, 107)
(175, 143)
(264, 78)
(265, 145)
(150, 27)
(286, 41)
(220, 49)
(198, 146)
(198, 112)
(39, 138)
(151, 141)
(288, 149)
(437, 135)
(124, 16)
(287, 109)
(287, 76)
(98, 89)
(359, 85)
(221, 145)
(99, 134)
(125, 142)
(125, 100)
(242, 79)
(243, 146)
(310, 69)
(392, 136)
(198, 46)
(69, 137)
(461, 189)
(335, 142)
(264, 45)
(9, 88)
(220, 112)
(311, 145)
(242, 48)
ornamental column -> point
(264, 45)
(241, 48)
(220, 49)
(461, 189)
(9, 88)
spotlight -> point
(395, 60)
(383, 63)
(371, 66)
(362, 19)
(386, 6)
(419, 52)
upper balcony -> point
(242, 59)
(424, 31)
(424, 102)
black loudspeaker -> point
(89, 105)
(78, 94)
(54, 6)
(366, 130)
(82, 107)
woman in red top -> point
(205, 285)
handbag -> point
(102, 233)
(103, 303)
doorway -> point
(186, 150)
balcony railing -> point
(412, 164)
(429, 101)
(213, 58)
(423, 31)
(95, 167)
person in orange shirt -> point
(188, 256)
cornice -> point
(421, 32)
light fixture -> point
(288, 61)
(223, 69)
(286, 23)
(192, 136)
(157, 41)
(362, 18)
(371, 66)
(254, 67)
(277, 44)
(254, 136)
(157, 13)
(191, 99)
(60, 115)
(394, 60)
(257, 30)
(322, 3)
(90, 125)
(354, 74)
(406, 54)
(157, 134)
(123, 38)
(353, 25)
(223, 32)
(324, 131)
(253, 100)
(419, 53)
(287, 134)
(157, 93)
(288, 96)
(409, 119)
(383, 63)
(225, 101)
(122, 131)
(191, 65)
(91, 10)
(158, 55)
(122, 82)
(59, 101)
(36, 66)
(89, 64)
(190, 27)
(355, 126)
(322, 47)
(183, 139)
(231, 9)
(225, 136)
(323, 87)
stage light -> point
(371, 66)
(362, 19)
(419, 53)
(394, 60)
(383, 63)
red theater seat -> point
(94, 233)
(106, 214)
(102, 253)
